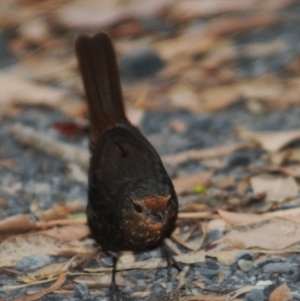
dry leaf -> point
(15, 248)
(189, 9)
(187, 183)
(60, 211)
(213, 152)
(48, 272)
(37, 296)
(281, 293)
(92, 15)
(277, 189)
(68, 233)
(234, 218)
(183, 46)
(275, 234)
(273, 141)
(228, 25)
(243, 219)
(140, 294)
(279, 158)
(12, 89)
(16, 223)
(224, 257)
(127, 257)
(102, 280)
(180, 92)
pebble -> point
(33, 262)
(141, 284)
(42, 188)
(209, 273)
(6, 56)
(81, 291)
(245, 265)
(255, 295)
(240, 158)
(282, 267)
(246, 255)
(140, 63)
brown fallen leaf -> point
(281, 293)
(92, 15)
(61, 211)
(276, 188)
(234, 218)
(16, 224)
(12, 89)
(288, 155)
(232, 296)
(275, 234)
(55, 286)
(7, 162)
(184, 46)
(226, 257)
(272, 141)
(229, 25)
(190, 9)
(47, 272)
(68, 233)
(61, 222)
(196, 215)
(187, 183)
(213, 152)
(102, 280)
(243, 219)
(140, 294)
(15, 248)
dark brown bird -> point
(132, 204)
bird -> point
(132, 204)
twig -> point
(55, 286)
(214, 152)
(50, 146)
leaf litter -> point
(251, 205)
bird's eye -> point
(137, 207)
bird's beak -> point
(160, 214)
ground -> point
(215, 87)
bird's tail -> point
(101, 79)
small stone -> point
(264, 282)
(106, 261)
(245, 265)
(157, 291)
(33, 262)
(100, 298)
(178, 126)
(239, 158)
(81, 291)
(255, 295)
(140, 64)
(141, 284)
(246, 255)
(282, 267)
(6, 56)
(42, 188)
(209, 273)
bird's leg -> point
(114, 289)
(170, 260)
(113, 286)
